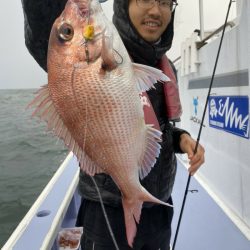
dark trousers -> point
(153, 232)
(159, 242)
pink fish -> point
(92, 103)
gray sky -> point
(19, 70)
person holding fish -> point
(109, 101)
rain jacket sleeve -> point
(176, 139)
(39, 16)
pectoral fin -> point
(151, 151)
(147, 76)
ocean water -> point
(29, 156)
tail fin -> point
(132, 212)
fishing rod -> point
(201, 124)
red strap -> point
(149, 114)
(172, 99)
(171, 91)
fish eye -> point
(66, 32)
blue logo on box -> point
(230, 113)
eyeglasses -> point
(164, 4)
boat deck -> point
(204, 224)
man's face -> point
(150, 23)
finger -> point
(196, 157)
(190, 150)
(193, 148)
(197, 160)
(200, 153)
(196, 165)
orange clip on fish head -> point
(89, 32)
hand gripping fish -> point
(92, 103)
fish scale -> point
(104, 116)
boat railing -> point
(49, 210)
(203, 42)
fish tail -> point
(132, 212)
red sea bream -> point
(92, 103)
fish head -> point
(77, 35)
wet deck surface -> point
(204, 225)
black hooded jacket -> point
(39, 17)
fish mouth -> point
(83, 7)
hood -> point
(140, 50)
